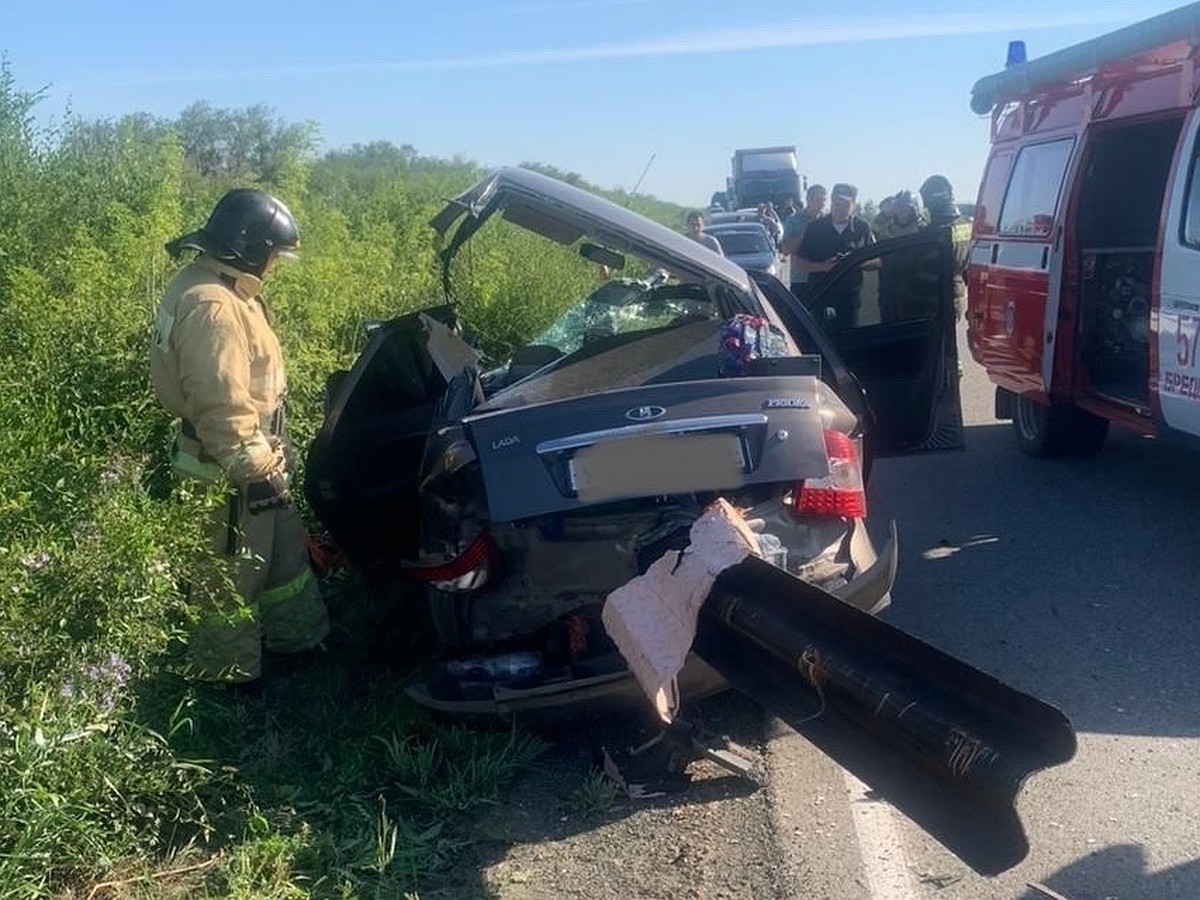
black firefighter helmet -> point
(244, 229)
(938, 196)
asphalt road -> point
(1077, 581)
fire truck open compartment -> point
(1117, 223)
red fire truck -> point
(1084, 283)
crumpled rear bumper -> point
(868, 591)
(615, 690)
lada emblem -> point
(644, 413)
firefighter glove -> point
(269, 492)
(283, 450)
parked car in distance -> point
(521, 494)
(748, 244)
(750, 214)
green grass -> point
(456, 769)
(596, 795)
(329, 785)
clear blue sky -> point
(874, 92)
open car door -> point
(884, 318)
(363, 466)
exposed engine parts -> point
(1115, 337)
(1121, 306)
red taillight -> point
(466, 572)
(841, 492)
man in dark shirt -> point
(825, 242)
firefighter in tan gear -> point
(216, 364)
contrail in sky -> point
(565, 6)
(714, 41)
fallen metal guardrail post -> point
(947, 744)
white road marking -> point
(879, 844)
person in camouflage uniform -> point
(901, 274)
(906, 215)
(883, 221)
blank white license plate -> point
(659, 464)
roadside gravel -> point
(550, 838)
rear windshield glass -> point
(625, 307)
(742, 241)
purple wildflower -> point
(103, 682)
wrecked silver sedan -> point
(560, 510)
(522, 495)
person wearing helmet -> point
(217, 365)
(884, 220)
(902, 271)
(938, 196)
(906, 215)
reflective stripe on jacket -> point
(215, 362)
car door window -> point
(888, 311)
(1031, 200)
(888, 287)
(991, 194)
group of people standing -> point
(816, 241)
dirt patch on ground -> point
(552, 837)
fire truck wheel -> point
(1057, 429)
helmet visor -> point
(289, 252)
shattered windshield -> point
(624, 307)
(625, 332)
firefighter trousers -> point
(263, 593)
